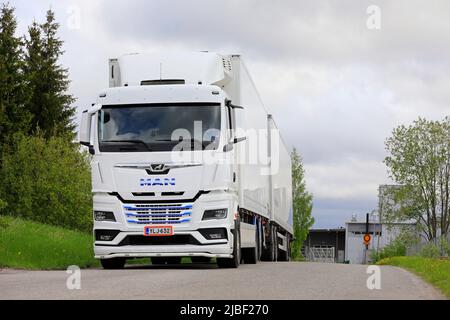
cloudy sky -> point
(335, 87)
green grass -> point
(435, 271)
(30, 245)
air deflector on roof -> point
(161, 82)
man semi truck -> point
(186, 162)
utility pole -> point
(366, 240)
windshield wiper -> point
(130, 141)
(192, 141)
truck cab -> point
(165, 180)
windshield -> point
(150, 127)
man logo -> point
(157, 167)
(149, 182)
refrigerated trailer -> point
(186, 162)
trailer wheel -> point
(270, 251)
(114, 263)
(235, 261)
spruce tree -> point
(14, 116)
(50, 103)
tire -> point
(235, 261)
(268, 253)
(251, 255)
(200, 260)
(114, 263)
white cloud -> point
(350, 178)
(335, 88)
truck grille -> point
(157, 213)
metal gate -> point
(322, 254)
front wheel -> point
(114, 263)
(232, 262)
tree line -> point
(33, 85)
(43, 174)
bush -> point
(430, 250)
(2, 205)
(445, 247)
(47, 180)
(396, 248)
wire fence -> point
(321, 254)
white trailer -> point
(186, 163)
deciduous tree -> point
(302, 205)
(419, 161)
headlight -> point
(104, 216)
(215, 214)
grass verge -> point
(30, 245)
(434, 271)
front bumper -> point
(198, 246)
(203, 247)
(211, 251)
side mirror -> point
(229, 145)
(237, 140)
(232, 106)
(85, 129)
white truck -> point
(186, 162)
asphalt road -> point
(282, 280)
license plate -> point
(158, 231)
